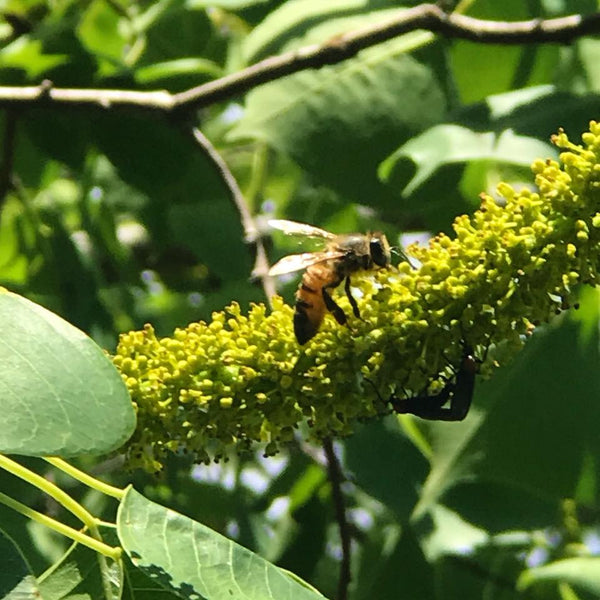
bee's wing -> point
(296, 262)
(293, 228)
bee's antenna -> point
(399, 251)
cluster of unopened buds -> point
(422, 336)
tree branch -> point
(425, 16)
(335, 478)
(251, 234)
(428, 17)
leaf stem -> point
(86, 479)
(49, 488)
(73, 534)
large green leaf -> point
(174, 30)
(102, 33)
(61, 394)
(191, 559)
(82, 573)
(340, 122)
(16, 580)
(583, 573)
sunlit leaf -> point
(481, 70)
(62, 396)
(582, 572)
(100, 33)
(175, 68)
(445, 144)
(27, 54)
(189, 558)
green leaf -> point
(583, 573)
(306, 21)
(27, 54)
(164, 71)
(365, 454)
(100, 33)
(16, 580)
(142, 585)
(82, 573)
(340, 122)
(191, 559)
(480, 70)
(448, 533)
(221, 248)
(173, 31)
(446, 144)
(380, 575)
(61, 394)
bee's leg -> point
(351, 298)
(333, 307)
(380, 398)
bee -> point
(345, 254)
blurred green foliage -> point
(113, 220)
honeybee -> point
(345, 254)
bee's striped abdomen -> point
(310, 305)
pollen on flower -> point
(242, 378)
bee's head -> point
(379, 249)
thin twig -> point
(8, 154)
(251, 234)
(428, 17)
(335, 478)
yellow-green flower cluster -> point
(243, 378)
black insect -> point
(457, 393)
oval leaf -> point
(340, 122)
(189, 558)
(61, 395)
